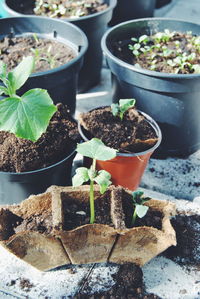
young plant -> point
(140, 209)
(122, 107)
(96, 150)
(26, 116)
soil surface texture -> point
(60, 8)
(167, 52)
(60, 139)
(132, 134)
(128, 284)
(48, 54)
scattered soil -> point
(25, 284)
(132, 134)
(77, 213)
(48, 53)
(128, 284)
(162, 55)
(60, 139)
(59, 8)
(187, 230)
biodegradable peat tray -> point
(39, 230)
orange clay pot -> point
(126, 169)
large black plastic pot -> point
(161, 3)
(61, 82)
(173, 100)
(132, 9)
(15, 187)
(93, 25)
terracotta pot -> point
(126, 169)
(88, 243)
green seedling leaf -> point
(122, 107)
(115, 109)
(141, 210)
(20, 74)
(80, 177)
(103, 180)
(27, 116)
(96, 149)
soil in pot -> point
(60, 139)
(48, 53)
(132, 134)
(62, 8)
(167, 52)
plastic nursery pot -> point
(171, 99)
(93, 25)
(160, 3)
(126, 169)
(15, 187)
(61, 82)
(132, 9)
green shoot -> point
(140, 209)
(26, 116)
(122, 107)
(96, 150)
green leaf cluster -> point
(140, 209)
(26, 116)
(122, 107)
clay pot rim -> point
(149, 119)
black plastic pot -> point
(161, 3)
(61, 82)
(15, 187)
(171, 99)
(132, 9)
(93, 25)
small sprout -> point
(122, 107)
(139, 209)
(26, 116)
(196, 68)
(96, 150)
(143, 39)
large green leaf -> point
(96, 149)
(141, 210)
(20, 74)
(27, 117)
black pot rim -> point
(112, 4)
(68, 24)
(150, 120)
(41, 169)
(122, 63)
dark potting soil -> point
(187, 230)
(128, 284)
(175, 52)
(132, 134)
(48, 53)
(62, 8)
(20, 155)
(77, 213)
(8, 222)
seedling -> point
(26, 116)
(140, 209)
(122, 107)
(96, 150)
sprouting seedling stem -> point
(122, 107)
(96, 150)
(139, 209)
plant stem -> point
(92, 210)
(134, 217)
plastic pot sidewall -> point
(15, 187)
(61, 82)
(171, 99)
(132, 9)
(126, 169)
(94, 26)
